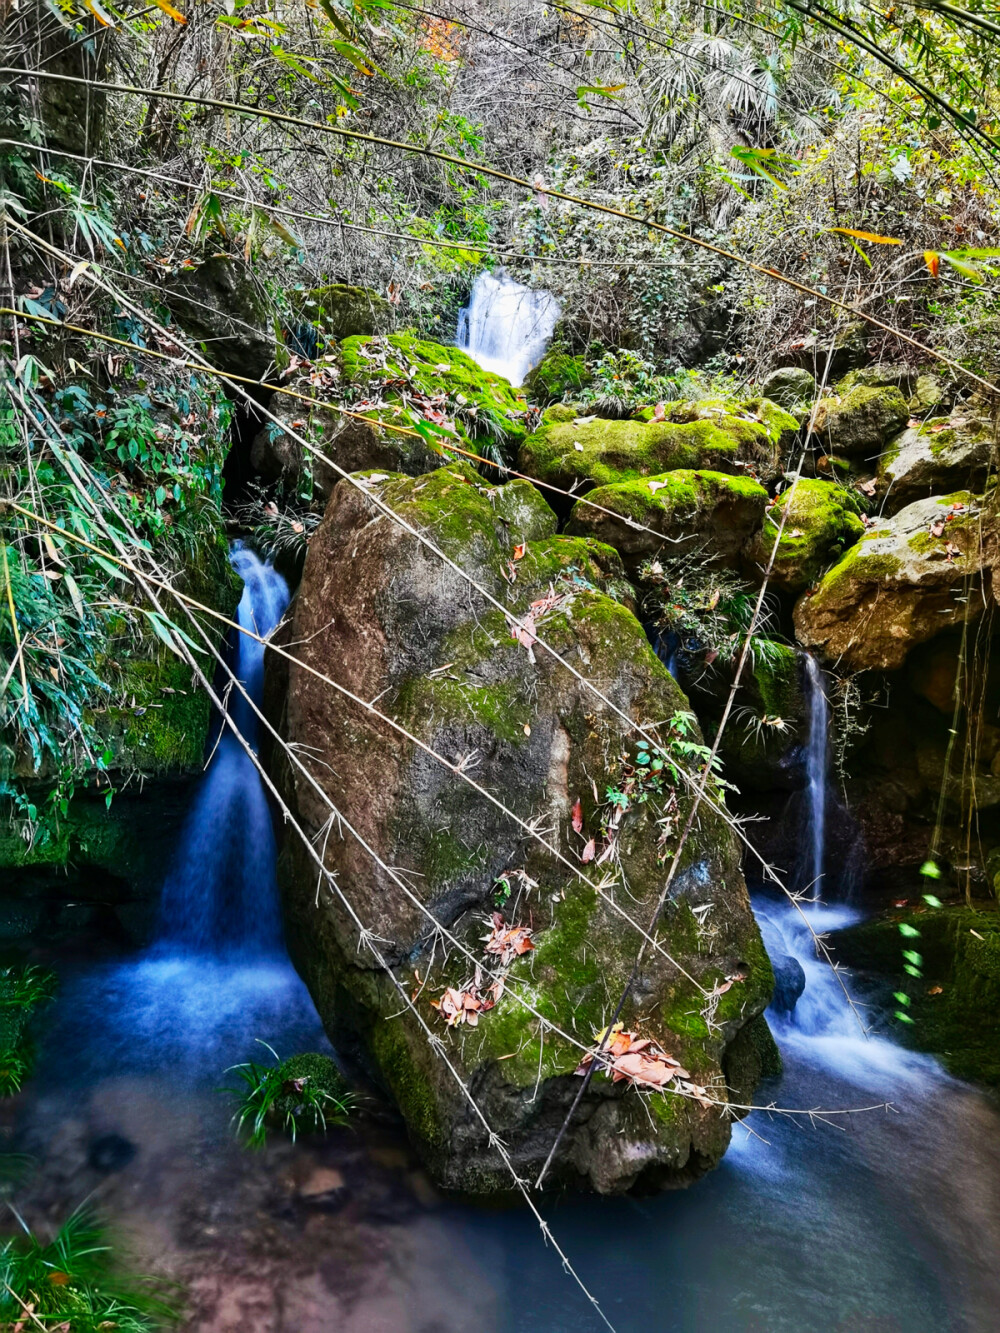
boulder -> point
(586, 450)
(902, 584)
(860, 420)
(821, 519)
(789, 387)
(218, 303)
(789, 983)
(557, 376)
(708, 512)
(940, 455)
(402, 626)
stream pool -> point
(888, 1221)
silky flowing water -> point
(888, 1221)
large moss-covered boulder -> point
(860, 420)
(724, 437)
(557, 376)
(821, 518)
(709, 512)
(406, 628)
(400, 400)
(903, 583)
(942, 454)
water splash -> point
(822, 1029)
(506, 326)
(816, 772)
(219, 897)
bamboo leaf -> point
(866, 236)
(170, 12)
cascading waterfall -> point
(219, 896)
(817, 746)
(506, 327)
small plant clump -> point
(306, 1093)
(705, 614)
(69, 1284)
(23, 990)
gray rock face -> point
(396, 623)
(903, 583)
(219, 305)
(789, 387)
(942, 455)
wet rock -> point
(710, 512)
(789, 983)
(402, 626)
(902, 584)
(735, 438)
(860, 420)
(822, 518)
(941, 455)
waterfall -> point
(506, 326)
(219, 897)
(816, 769)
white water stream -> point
(506, 327)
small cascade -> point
(506, 326)
(219, 897)
(820, 1026)
(817, 747)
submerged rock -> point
(821, 519)
(902, 584)
(725, 437)
(789, 983)
(938, 456)
(402, 626)
(706, 512)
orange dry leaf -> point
(519, 551)
(933, 261)
(508, 942)
(461, 1006)
(577, 816)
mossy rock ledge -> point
(745, 439)
(941, 454)
(903, 583)
(484, 413)
(404, 626)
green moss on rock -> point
(558, 375)
(821, 519)
(861, 420)
(960, 949)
